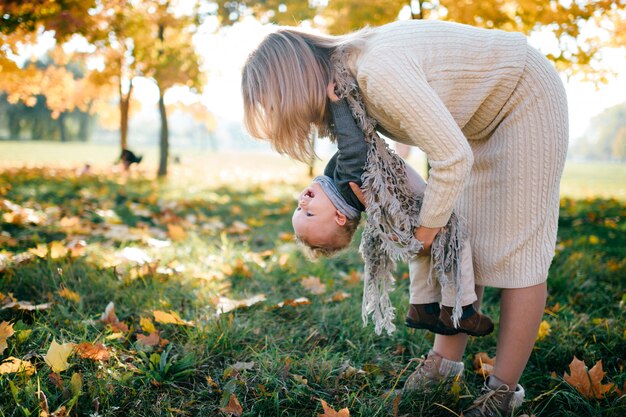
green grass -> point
(276, 361)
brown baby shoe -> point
(423, 316)
(471, 322)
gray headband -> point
(336, 198)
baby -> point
(328, 214)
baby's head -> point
(323, 222)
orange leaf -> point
(353, 277)
(329, 412)
(6, 331)
(233, 408)
(170, 318)
(301, 301)
(69, 294)
(588, 383)
(95, 352)
(176, 233)
(483, 364)
(313, 285)
(111, 319)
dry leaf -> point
(96, 352)
(58, 250)
(69, 295)
(27, 306)
(483, 364)
(14, 365)
(338, 296)
(147, 325)
(313, 285)
(329, 412)
(286, 237)
(41, 250)
(6, 331)
(238, 228)
(57, 355)
(153, 339)
(170, 318)
(225, 304)
(233, 408)
(109, 317)
(588, 383)
(176, 233)
(77, 248)
(353, 277)
(301, 301)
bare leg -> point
(452, 347)
(521, 310)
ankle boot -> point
(497, 400)
(423, 316)
(471, 322)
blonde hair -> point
(342, 240)
(284, 88)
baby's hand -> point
(358, 192)
(330, 91)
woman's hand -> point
(426, 235)
(330, 92)
(358, 192)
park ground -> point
(127, 296)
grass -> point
(276, 361)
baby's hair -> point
(344, 237)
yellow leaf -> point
(57, 356)
(176, 233)
(544, 330)
(313, 285)
(57, 250)
(41, 250)
(6, 331)
(69, 294)
(170, 318)
(588, 383)
(147, 325)
(286, 237)
(13, 365)
(329, 412)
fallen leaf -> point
(13, 365)
(135, 255)
(544, 330)
(225, 304)
(41, 250)
(27, 306)
(233, 408)
(176, 233)
(57, 355)
(170, 318)
(153, 339)
(238, 228)
(587, 382)
(483, 364)
(353, 277)
(301, 301)
(69, 294)
(6, 331)
(329, 412)
(313, 285)
(147, 325)
(286, 237)
(109, 317)
(58, 250)
(77, 247)
(76, 384)
(300, 379)
(96, 352)
(338, 296)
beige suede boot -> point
(497, 400)
(433, 370)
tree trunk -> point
(124, 114)
(62, 131)
(164, 142)
(84, 124)
(14, 123)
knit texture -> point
(491, 115)
(392, 209)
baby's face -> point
(315, 219)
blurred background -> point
(82, 79)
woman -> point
(490, 113)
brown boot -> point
(431, 371)
(423, 316)
(471, 322)
(497, 400)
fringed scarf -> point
(392, 212)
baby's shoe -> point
(423, 316)
(471, 322)
(497, 400)
(433, 370)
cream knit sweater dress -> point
(490, 113)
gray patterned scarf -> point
(392, 212)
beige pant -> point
(425, 289)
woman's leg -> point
(521, 310)
(453, 347)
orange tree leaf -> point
(329, 412)
(96, 352)
(170, 318)
(176, 233)
(152, 339)
(6, 331)
(233, 407)
(69, 294)
(313, 285)
(588, 383)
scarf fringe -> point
(392, 211)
